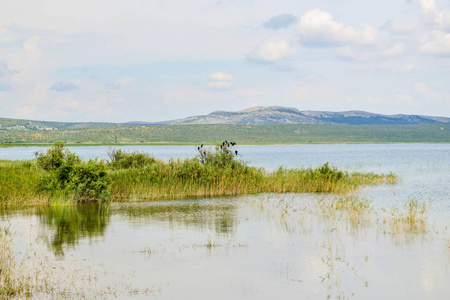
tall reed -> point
(12, 282)
(138, 177)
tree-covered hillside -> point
(242, 134)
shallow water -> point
(254, 247)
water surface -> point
(253, 247)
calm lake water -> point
(252, 247)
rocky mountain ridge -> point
(260, 115)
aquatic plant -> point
(19, 184)
(60, 176)
(411, 219)
(11, 281)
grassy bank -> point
(61, 176)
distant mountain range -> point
(260, 115)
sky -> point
(155, 60)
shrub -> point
(71, 177)
(56, 157)
(327, 172)
(222, 156)
(123, 160)
(89, 181)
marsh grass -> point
(340, 220)
(34, 275)
(59, 176)
(19, 184)
(190, 178)
(11, 281)
(412, 219)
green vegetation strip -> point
(256, 134)
(61, 176)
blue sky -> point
(153, 60)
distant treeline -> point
(243, 134)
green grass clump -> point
(60, 176)
(218, 173)
(19, 182)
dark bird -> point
(201, 146)
(198, 148)
(235, 152)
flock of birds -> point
(225, 146)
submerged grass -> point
(412, 218)
(11, 283)
(341, 220)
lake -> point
(251, 247)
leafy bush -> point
(222, 156)
(56, 157)
(89, 180)
(122, 160)
(327, 172)
(71, 177)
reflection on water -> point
(216, 215)
(69, 223)
(262, 246)
(64, 226)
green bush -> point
(221, 156)
(69, 176)
(89, 181)
(122, 160)
(327, 172)
(56, 157)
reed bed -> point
(20, 182)
(190, 178)
(11, 282)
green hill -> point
(30, 125)
(242, 134)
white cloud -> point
(402, 28)
(430, 95)
(27, 111)
(402, 98)
(6, 36)
(317, 28)
(387, 66)
(372, 100)
(440, 18)
(396, 49)
(220, 81)
(439, 43)
(66, 103)
(359, 53)
(271, 51)
(120, 83)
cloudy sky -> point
(153, 60)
